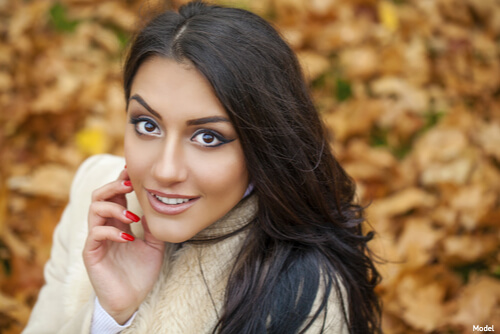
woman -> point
(247, 221)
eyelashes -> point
(209, 138)
(145, 126)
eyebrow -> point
(205, 120)
(145, 105)
(198, 121)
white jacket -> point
(189, 293)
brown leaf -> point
(15, 245)
(416, 64)
(417, 243)
(488, 137)
(15, 311)
(6, 82)
(456, 172)
(407, 97)
(49, 180)
(291, 12)
(360, 62)
(103, 37)
(352, 118)
(478, 304)
(322, 7)
(443, 155)
(313, 64)
(116, 13)
(400, 203)
(421, 297)
(472, 203)
(463, 249)
(445, 216)
(335, 35)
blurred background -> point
(410, 90)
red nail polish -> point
(127, 236)
(127, 183)
(132, 216)
(125, 167)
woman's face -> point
(183, 156)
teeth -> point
(171, 201)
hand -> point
(122, 271)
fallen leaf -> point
(405, 95)
(472, 203)
(388, 15)
(313, 64)
(49, 180)
(92, 141)
(463, 249)
(360, 62)
(15, 310)
(478, 304)
(353, 118)
(400, 203)
(418, 241)
(421, 297)
(489, 139)
(456, 172)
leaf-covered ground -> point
(410, 90)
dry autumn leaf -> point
(407, 88)
(49, 180)
(478, 304)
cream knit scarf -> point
(189, 294)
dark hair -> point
(306, 240)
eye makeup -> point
(145, 126)
(210, 138)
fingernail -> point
(132, 216)
(127, 183)
(125, 167)
(127, 236)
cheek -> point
(220, 173)
(137, 156)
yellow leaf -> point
(92, 141)
(388, 15)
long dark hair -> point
(306, 243)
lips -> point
(170, 204)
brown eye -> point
(149, 127)
(145, 126)
(208, 138)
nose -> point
(170, 166)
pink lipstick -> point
(170, 204)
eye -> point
(145, 126)
(209, 138)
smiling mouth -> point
(171, 205)
(171, 201)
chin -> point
(160, 231)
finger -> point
(100, 234)
(124, 174)
(101, 212)
(120, 186)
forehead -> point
(167, 85)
